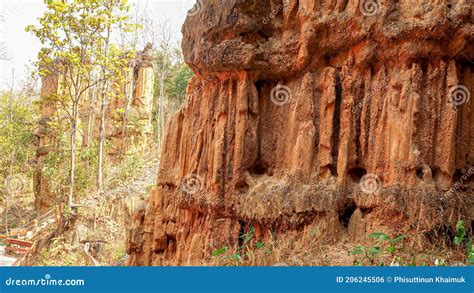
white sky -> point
(23, 47)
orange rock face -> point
(342, 116)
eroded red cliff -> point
(341, 117)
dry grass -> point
(309, 250)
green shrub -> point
(462, 239)
(375, 255)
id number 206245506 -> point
(360, 279)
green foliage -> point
(56, 168)
(58, 253)
(244, 252)
(248, 236)
(462, 239)
(391, 241)
(177, 83)
(128, 169)
(74, 32)
(67, 214)
(460, 233)
(77, 46)
(77, 43)
(119, 255)
(17, 122)
(86, 171)
(374, 255)
(470, 252)
(220, 251)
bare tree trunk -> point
(90, 122)
(72, 164)
(12, 158)
(90, 128)
(102, 112)
(101, 141)
(6, 217)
